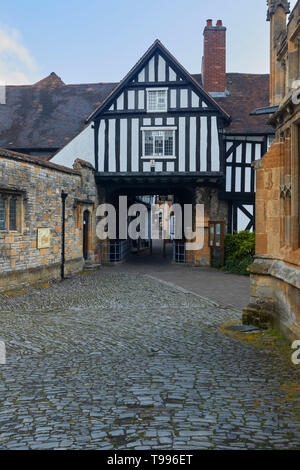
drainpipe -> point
(63, 231)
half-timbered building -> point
(160, 130)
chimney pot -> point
(219, 23)
(209, 23)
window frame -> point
(7, 198)
(148, 91)
(172, 129)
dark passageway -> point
(157, 258)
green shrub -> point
(239, 251)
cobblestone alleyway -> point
(225, 289)
(122, 360)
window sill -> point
(159, 128)
(158, 158)
(6, 232)
(157, 111)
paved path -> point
(225, 289)
(123, 361)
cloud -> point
(17, 66)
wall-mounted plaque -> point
(43, 239)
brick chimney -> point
(214, 58)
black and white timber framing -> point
(116, 132)
(240, 184)
(193, 117)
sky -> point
(100, 41)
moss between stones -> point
(13, 293)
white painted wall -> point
(82, 146)
(243, 220)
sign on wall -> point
(43, 238)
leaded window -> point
(12, 214)
(9, 209)
(159, 143)
(157, 100)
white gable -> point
(82, 146)
(161, 72)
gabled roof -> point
(245, 90)
(157, 47)
(47, 115)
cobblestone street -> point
(120, 360)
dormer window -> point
(157, 100)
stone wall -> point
(275, 296)
(38, 186)
(275, 273)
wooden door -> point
(216, 243)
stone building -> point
(275, 274)
(43, 208)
